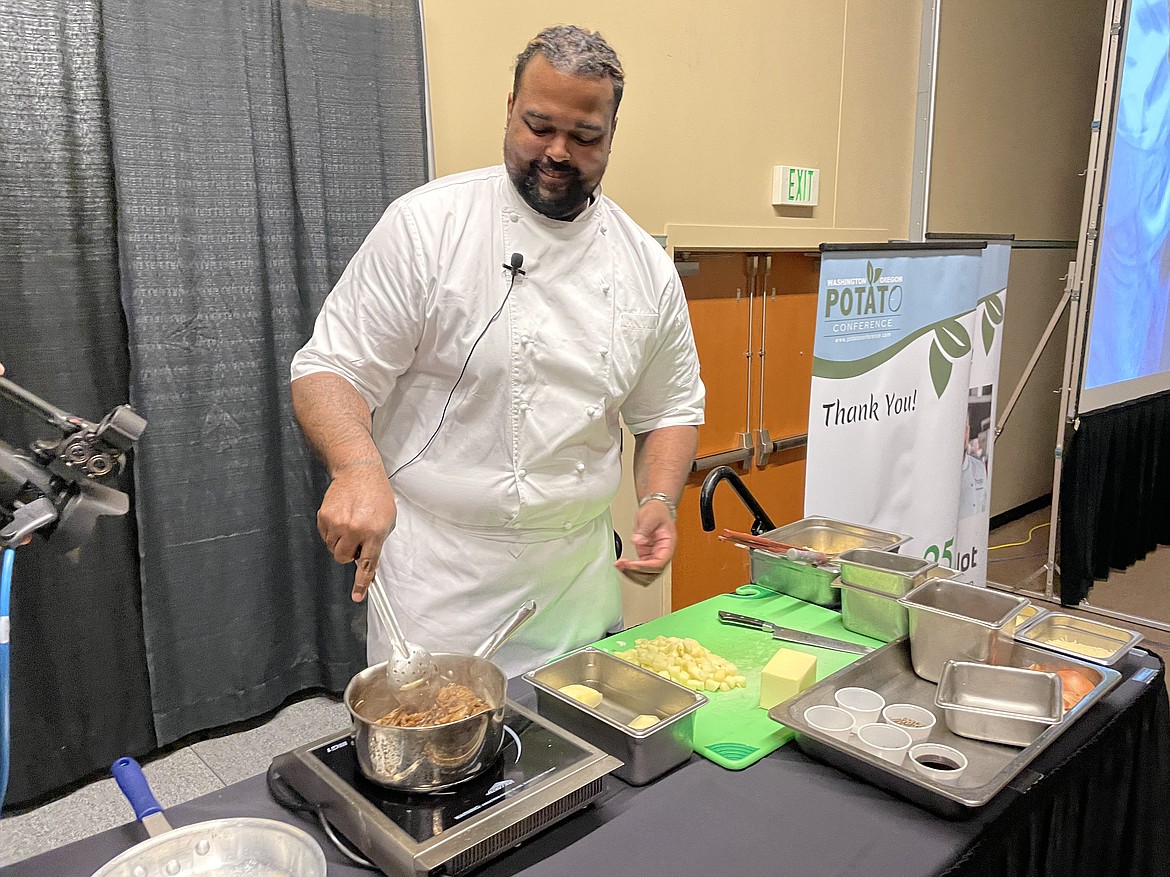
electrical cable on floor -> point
(1025, 542)
(1018, 557)
(5, 594)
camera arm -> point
(53, 489)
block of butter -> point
(786, 675)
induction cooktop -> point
(541, 775)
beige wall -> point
(1016, 85)
(716, 95)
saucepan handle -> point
(132, 781)
(501, 634)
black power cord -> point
(290, 799)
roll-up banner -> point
(892, 366)
(970, 550)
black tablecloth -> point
(1098, 808)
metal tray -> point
(999, 704)
(991, 766)
(627, 691)
(1028, 614)
(884, 571)
(1050, 625)
(871, 583)
(833, 537)
(814, 584)
(951, 620)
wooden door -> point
(753, 316)
(721, 306)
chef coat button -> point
(580, 466)
(525, 340)
(604, 352)
(524, 406)
(591, 411)
(604, 229)
(515, 217)
(605, 288)
(568, 525)
(521, 473)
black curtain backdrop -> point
(255, 145)
(80, 695)
(1115, 493)
(180, 185)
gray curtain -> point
(80, 696)
(255, 144)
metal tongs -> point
(792, 552)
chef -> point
(465, 377)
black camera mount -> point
(53, 488)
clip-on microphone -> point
(516, 261)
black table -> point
(1097, 808)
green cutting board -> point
(731, 729)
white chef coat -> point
(510, 500)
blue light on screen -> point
(1129, 336)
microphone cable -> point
(514, 267)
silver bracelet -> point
(670, 504)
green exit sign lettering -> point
(795, 186)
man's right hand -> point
(358, 511)
(356, 515)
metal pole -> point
(1037, 353)
(924, 118)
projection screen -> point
(1128, 348)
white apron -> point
(451, 589)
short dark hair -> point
(576, 52)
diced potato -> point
(686, 662)
(643, 721)
(591, 697)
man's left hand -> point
(654, 540)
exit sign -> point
(795, 186)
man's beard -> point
(572, 201)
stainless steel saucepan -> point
(434, 757)
(216, 848)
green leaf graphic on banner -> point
(872, 274)
(940, 369)
(851, 368)
(953, 338)
(994, 308)
(988, 332)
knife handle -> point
(744, 620)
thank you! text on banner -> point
(891, 368)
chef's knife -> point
(787, 634)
